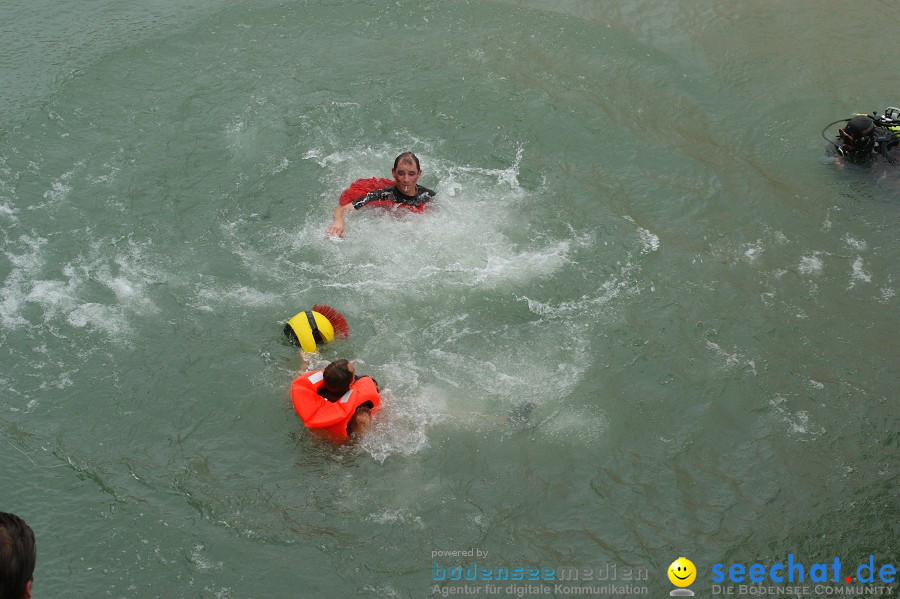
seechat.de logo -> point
(799, 572)
(682, 573)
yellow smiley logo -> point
(682, 572)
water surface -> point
(642, 319)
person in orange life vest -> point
(335, 401)
(17, 557)
(405, 192)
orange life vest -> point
(331, 417)
(361, 187)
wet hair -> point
(17, 555)
(338, 376)
(406, 157)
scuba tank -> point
(865, 136)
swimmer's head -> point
(407, 158)
(338, 375)
(406, 173)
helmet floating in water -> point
(322, 324)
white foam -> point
(198, 558)
(239, 137)
(524, 266)
(649, 240)
(26, 267)
(798, 422)
(53, 296)
(733, 359)
(621, 283)
(60, 188)
(753, 250)
(396, 516)
(402, 423)
(281, 166)
(854, 243)
(810, 265)
(105, 318)
(8, 211)
(129, 278)
(858, 273)
(7, 192)
(70, 294)
(236, 295)
(478, 387)
(235, 128)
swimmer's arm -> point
(337, 227)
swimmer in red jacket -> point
(405, 192)
(335, 402)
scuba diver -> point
(867, 139)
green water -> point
(642, 320)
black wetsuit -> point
(885, 150)
(392, 194)
(890, 152)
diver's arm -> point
(337, 227)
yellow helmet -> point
(319, 325)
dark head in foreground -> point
(17, 557)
